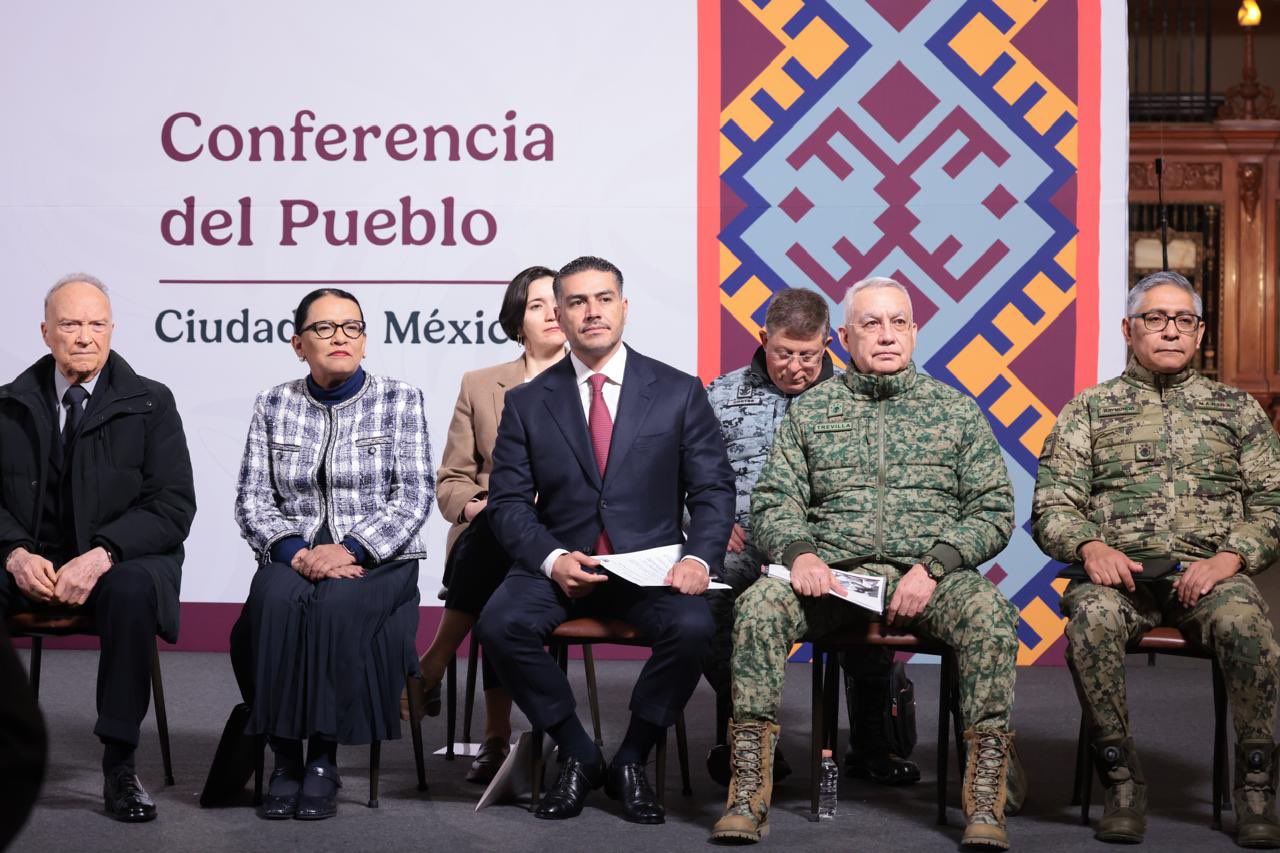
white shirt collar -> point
(60, 384)
(613, 369)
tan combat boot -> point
(984, 791)
(1015, 783)
(746, 815)
(1124, 810)
(1254, 794)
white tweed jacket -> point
(379, 481)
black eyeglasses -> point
(1158, 321)
(325, 329)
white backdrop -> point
(85, 183)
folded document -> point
(863, 590)
(648, 567)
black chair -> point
(36, 625)
(1165, 641)
(826, 698)
(586, 632)
(451, 693)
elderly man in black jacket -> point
(96, 499)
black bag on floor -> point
(900, 711)
(233, 762)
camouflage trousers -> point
(1231, 621)
(966, 612)
(740, 570)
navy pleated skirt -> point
(330, 658)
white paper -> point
(863, 590)
(648, 567)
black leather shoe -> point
(492, 753)
(629, 784)
(566, 797)
(319, 806)
(279, 806)
(883, 768)
(125, 799)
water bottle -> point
(828, 781)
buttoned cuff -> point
(551, 560)
(699, 561)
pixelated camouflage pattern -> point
(750, 408)
(883, 468)
(1231, 620)
(966, 612)
(1160, 465)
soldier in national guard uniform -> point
(900, 474)
(750, 403)
(1164, 464)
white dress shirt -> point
(60, 386)
(613, 371)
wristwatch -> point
(933, 566)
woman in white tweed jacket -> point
(335, 485)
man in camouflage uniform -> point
(1162, 462)
(901, 473)
(750, 403)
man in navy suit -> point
(602, 453)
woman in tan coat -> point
(474, 571)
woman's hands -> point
(326, 561)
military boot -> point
(1254, 794)
(1124, 809)
(746, 815)
(983, 792)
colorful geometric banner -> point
(942, 144)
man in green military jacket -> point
(900, 473)
(1162, 462)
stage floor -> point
(1171, 702)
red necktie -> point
(601, 428)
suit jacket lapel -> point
(564, 402)
(510, 377)
(633, 407)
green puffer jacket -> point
(1160, 465)
(884, 469)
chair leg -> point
(415, 731)
(468, 709)
(816, 729)
(1082, 744)
(260, 749)
(660, 770)
(1086, 776)
(1221, 785)
(451, 707)
(37, 650)
(593, 695)
(957, 719)
(682, 747)
(944, 712)
(535, 769)
(375, 767)
(162, 718)
(831, 703)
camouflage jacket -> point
(750, 407)
(884, 469)
(1160, 465)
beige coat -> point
(468, 450)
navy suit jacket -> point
(666, 454)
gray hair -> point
(870, 284)
(74, 278)
(1160, 279)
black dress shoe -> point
(492, 753)
(883, 768)
(125, 799)
(628, 784)
(280, 806)
(323, 805)
(566, 797)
